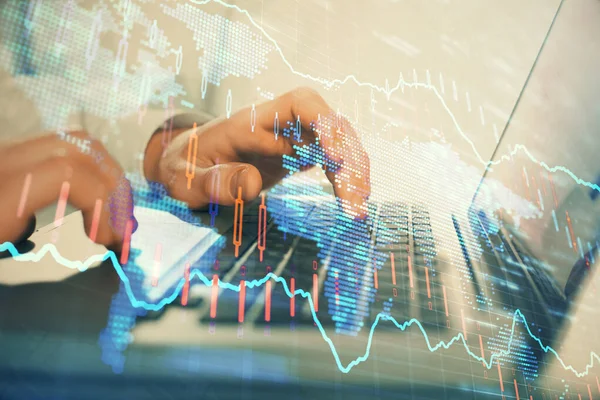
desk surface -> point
(54, 318)
(71, 242)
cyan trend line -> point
(82, 266)
(401, 84)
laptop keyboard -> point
(415, 291)
(407, 281)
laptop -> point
(393, 314)
(406, 299)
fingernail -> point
(238, 180)
(135, 224)
(360, 215)
(355, 211)
(120, 203)
(347, 208)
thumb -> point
(220, 184)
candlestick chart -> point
(442, 253)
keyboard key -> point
(300, 267)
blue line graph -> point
(401, 84)
(82, 266)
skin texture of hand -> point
(49, 161)
(230, 154)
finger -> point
(307, 107)
(79, 150)
(74, 145)
(120, 207)
(86, 192)
(341, 144)
(219, 184)
(29, 229)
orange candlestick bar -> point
(543, 182)
(237, 222)
(96, 220)
(482, 351)
(190, 166)
(293, 298)
(186, 286)
(464, 325)
(590, 391)
(427, 281)
(268, 301)
(242, 301)
(516, 389)
(126, 242)
(571, 231)
(214, 296)
(598, 383)
(526, 186)
(500, 377)
(24, 194)
(315, 292)
(410, 272)
(375, 279)
(393, 268)
(62, 203)
(553, 190)
(535, 189)
(157, 257)
(445, 299)
(262, 227)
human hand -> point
(33, 175)
(228, 152)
